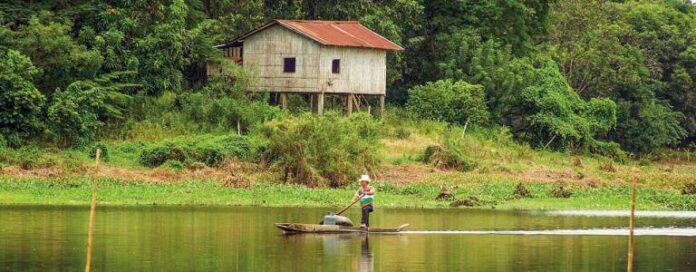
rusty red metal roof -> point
(331, 33)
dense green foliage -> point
(315, 150)
(570, 74)
(20, 101)
(444, 100)
(208, 149)
(555, 111)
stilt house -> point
(316, 58)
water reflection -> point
(245, 239)
(338, 245)
(366, 262)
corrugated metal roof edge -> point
(278, 21)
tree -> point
(636, 53)
(77, 113)
(20, 101)
(556, 114)
(454, 102)
(646, 123)
(57, 56)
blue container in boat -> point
(330, 219)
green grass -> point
(422, 195)
(48, 175)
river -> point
(166, 238)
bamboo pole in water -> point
(92, 212)
(631, 225)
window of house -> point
(288, 65)
(336, 66)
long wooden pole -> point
(346, 208)
(631, 225)
(92, 212)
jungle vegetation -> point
(610, 78)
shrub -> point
(609, 149)
(444, 100)
(212, 150)
(223, 103)
(323, 150)
(174, 165)
(689, 189)
(157, 155)
(104, 151)
(445, 158)
(561, 192)
(521, 191)
(196, 166)
(13, 140)
(449, 155)
(208, 149)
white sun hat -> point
(365, 178)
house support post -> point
(320, 103)
(311, 102)
(284, 101)
(381, 105)
(348, 110)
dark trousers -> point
(365, 219)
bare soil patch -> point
(405, 173)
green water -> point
(244, 239)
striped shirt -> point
(367, 198)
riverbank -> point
(489, 167)
(501, 195)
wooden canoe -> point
(315, 228)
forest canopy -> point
(567, 74)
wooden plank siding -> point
(362, 70)
(263, 58)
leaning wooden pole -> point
(631, 225)
(92, 212)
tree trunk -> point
(552, 138)
(466, 124)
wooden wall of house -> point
(362, 71)
(263, 56)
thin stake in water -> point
(631, 225)
(92, 212)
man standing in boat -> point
(366, 195)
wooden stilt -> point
(349, 104)
(367, 104)
(284, 101)
(311, 102)
(320, 103)
(381, 105)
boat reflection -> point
(342, 244)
